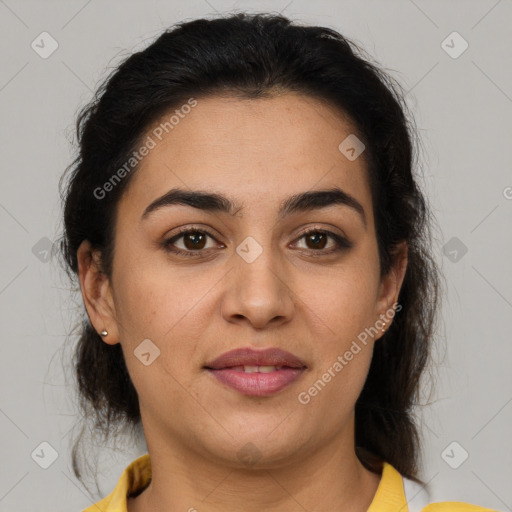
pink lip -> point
(226, 369)
(257, 384)
(251, 357)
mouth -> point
(254, 368)
(256, 373)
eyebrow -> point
(214, 202)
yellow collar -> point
(390, 495)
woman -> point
(253, 254)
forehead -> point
(249, 149)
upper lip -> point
(251, 357)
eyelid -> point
(192, 228)
(315, 228)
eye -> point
(316, 241)
(194, 241)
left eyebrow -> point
(214, 202)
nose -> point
(258, 292)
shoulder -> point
(395, 492)
(133, 480)
(419, 499)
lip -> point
(251, 357)
(257, 384)
(226, 369)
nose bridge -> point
(258, 289)
(258, 263)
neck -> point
(329, 477)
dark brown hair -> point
(253, 56)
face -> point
(251, 277)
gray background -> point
(463, 109)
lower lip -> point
(257, 384)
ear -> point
(391, 284)
(97, 293)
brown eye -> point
(193, 242)
(316, 241)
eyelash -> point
(343, 243)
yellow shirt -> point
(391, 495)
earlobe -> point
(96, 293)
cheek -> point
(173, 310)
(341, 312)
(344, 342)
(344, 298)
(155, 299)
(343, 352)
(173, 317)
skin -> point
(257, 152)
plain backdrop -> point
(461, 98)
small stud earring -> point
(104, 332)
(384, 328)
